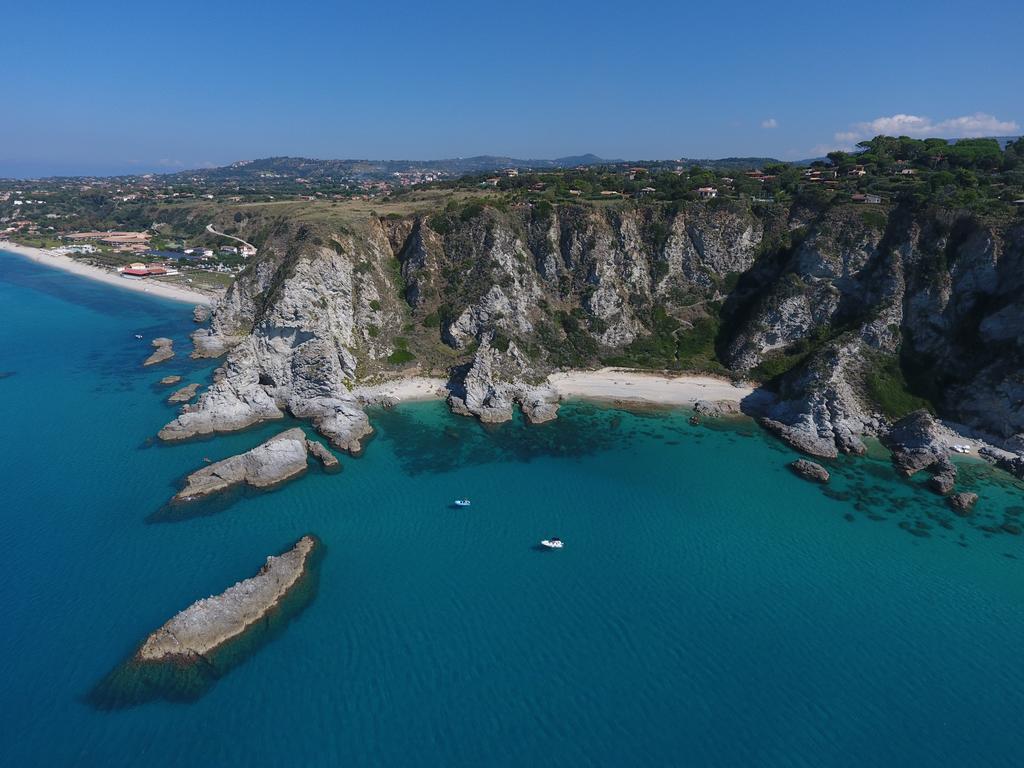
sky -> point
(130, 87)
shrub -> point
(887, 387)
(401, 356)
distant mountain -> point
(301, 167)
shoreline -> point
(650, 388)
(608, 385)
(67, 264)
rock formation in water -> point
(840, 310)
(201, 313)
(963, 503)
(167, 381)
(184, 394)
(279, 459)
(164, 351)
(810, 470)
(207, 624)
(181, 660)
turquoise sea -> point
(709, 607)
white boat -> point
(553, 543)
(138, 335)
(462, 502)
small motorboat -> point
(462, 502)
(138, 335)
(552, 543)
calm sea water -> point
(709, 608)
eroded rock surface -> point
(963, 503)
(280, 458)
(184, 394)
(207, 624)
(164, 351)
(810, 470)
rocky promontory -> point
(207, 624)
(917, 441)
(279, 459)
(164, 351)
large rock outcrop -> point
(279, 459)
(206, 625)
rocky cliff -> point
(853, 315)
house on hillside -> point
(867, 198)
(707, 193)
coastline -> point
(402, 390)
(67, 264)
(604, 384)
(620, 384)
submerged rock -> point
(963, 503)
(169, 380)
(184, 394)
(201, 313)
(278, 459)
(164, 351)
(810, 470)
(185, 656)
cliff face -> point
(837, 308)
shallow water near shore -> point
(710, 608)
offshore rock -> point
(184, 394)
(943, 479)
(963, 503)
(209, 623)
(322, 454)
(201, 313)
(280, 458)
(164, 351)
(810, 470)
(169, 380)
(181, 660)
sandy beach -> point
(608, 384)
(403, 390)
(638, 386)
(67, 264)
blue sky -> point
(132, 86)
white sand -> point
(605, 384)
(67, 264)
(403, 390)
(621, 384)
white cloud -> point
(771, 122)
(964, 127)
